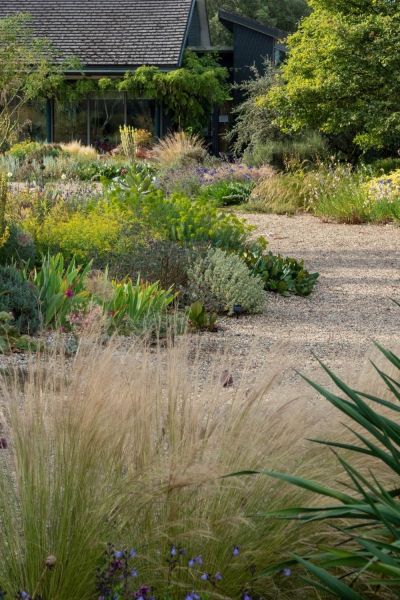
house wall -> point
(250, 48)
(194, 37)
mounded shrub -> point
(221, 280)
(19, 297)
(18, 246)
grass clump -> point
(180, 148)
(126, 447)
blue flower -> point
(25, 596)
(133, 573)
(118, 554)
(236, 551)
(218, 576)
(198, 560)
(191, 563)
(246, 596)
(174, 551)
(287, 572)
(195, 596)
(204, 577)
(132, 553)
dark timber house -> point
(112, 37)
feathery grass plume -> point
(76, 149)
(180, 148)
(127, 445)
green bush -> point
(20, 298)
(156, 260)
(281, 274)
(227, 193)
(19, 247)
(176, 218)
(97, 170)
(308, 147)
(222, 280)
(91, 232)
(382, 166)
(29, 150)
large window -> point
(106, 115)
(141, 114)
(70, 122)
(33, 119)
(96, 120)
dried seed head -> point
(50, 561)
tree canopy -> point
(284, 14)
(342, 76)
(27, 71)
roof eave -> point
(229, 20)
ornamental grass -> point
(127, 445)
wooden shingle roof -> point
(110, 33)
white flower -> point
(63, 176)
(9, 175)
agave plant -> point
(365, 562)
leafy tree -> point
(284, 14)
(188, 93)
(26, 73)
(342, 76)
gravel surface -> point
(359, 268)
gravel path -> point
(359, 268)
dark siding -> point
(250, 48)
(194, 38)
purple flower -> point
(118, 554)
(218, 576)
(133, 573)
(25, 596)
(236, 551)
(191, 563)
(287, 572)
(246, 596)
(132, 553)
(198, 560)
(174, 551)
(69, 293)
(204, 577)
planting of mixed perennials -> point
(199, 242)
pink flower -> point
(69, 293)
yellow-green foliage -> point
(24, 149)
(385, 187)
(82, 234)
